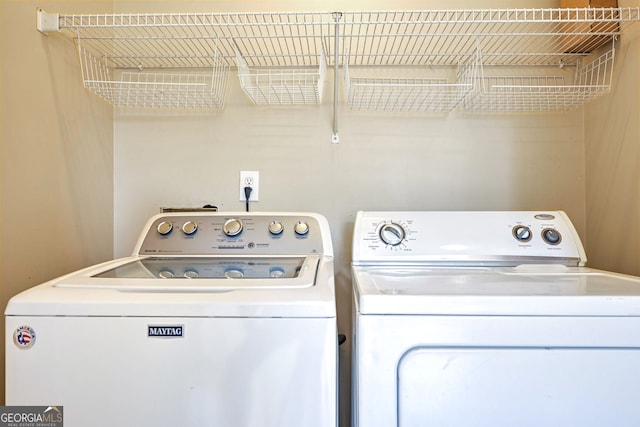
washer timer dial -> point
(232, 227)
(392, 233)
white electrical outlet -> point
(250, 179)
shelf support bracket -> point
(336, 62)
(47, 22)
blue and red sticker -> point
(24, 337)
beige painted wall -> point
(612, 141)
(56, 154)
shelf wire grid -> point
(282, 86)
(177, 89)
(541, 93)
(431, 38)
(190, 40)
(505, 36)
(409, 94)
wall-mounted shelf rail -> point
(498, 60)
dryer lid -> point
(535, 290)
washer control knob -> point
(189, 227)
(232, 227)
(522, 233)
(191, 274)
(551, 236)
(276, 273)
(166, 274)
(164, 228)
(276, 228)
(392, 234)
(301, 228)
(234, 274)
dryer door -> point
(503, 386)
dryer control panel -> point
(480, 238)
(219, 233)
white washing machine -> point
(217, 319)
(489, 319)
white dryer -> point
(489, 319)
(217, 319)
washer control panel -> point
(217, 233)
(470, 238)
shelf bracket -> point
(47, 22)
(336, 62)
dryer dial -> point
(392, 234)
(522, 233)
(551, 236)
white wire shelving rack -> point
(410, 90)
(282, 85)
(563, 89)
(183, 60)
(516, 60)
(502, 60)
(170, 89)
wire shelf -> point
(281, 51)
(409, 94)
(186, 89)
(541, 93)
(191, 40)
(282, 86)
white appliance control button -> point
(232, 227)
(392, 234)
(276, 227)
(191, 274)
(522, 233)
(551, 236)
(276, 273)
(164, 228)
(301, 228)
(189, 227)
(166, 274)
(233, 274)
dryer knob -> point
(551, 236)
(522, 233)
(392, 234)
(301, 228)
(232, 227)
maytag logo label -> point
(31, 416)
(165, 331)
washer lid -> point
(537, 290)
(244, 268)
(291, 286)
